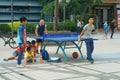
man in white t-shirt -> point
(86, 34)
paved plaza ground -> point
(105, 67)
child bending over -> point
(34, 47)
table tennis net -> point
(53, 35)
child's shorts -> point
(15, 54)
(39, 40)
(105, 31)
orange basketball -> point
(75, 55)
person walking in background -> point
(33, 47)
(112, 27)
(79, 26)
(41, 28)
(21, 39)
(105, 26)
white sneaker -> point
(19, 66)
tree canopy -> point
(75, 7)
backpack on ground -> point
(45, 55)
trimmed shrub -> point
(50, 26)
(30, 28)
(15, 25)
(61, 26)
(70, 25)
(5, 28)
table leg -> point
(63, 50)
(79, 48)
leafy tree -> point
(87, 5)
(49, 8)
(75, 7)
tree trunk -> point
(56, 16)
(83, 12)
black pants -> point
(79, 30)
(112, 32)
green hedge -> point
(49, 26)
(68, 25)
(30, 27)
(61, 26)
(15, 25)
(5, 28)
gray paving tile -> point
(13, 76)
(84, 71)
(52, 75)
(1, 78)
(118, 73)
(84, 78)
(106, 68)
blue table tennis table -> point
(61, 39)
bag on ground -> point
(45, 55)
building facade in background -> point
(29, 8)
(110, 9)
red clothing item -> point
(34, 47)
(22, 48)
(24, 35)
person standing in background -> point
(79, 26)
(112, 27)
(41, 28)
(105, 26)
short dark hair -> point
(28, 48)
(28, 42)
(33, 42)
(91, 17)
(41, 18)
(23, 18)
(105, 20)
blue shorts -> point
(106, 31)
(39, 40)
(15, 54)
